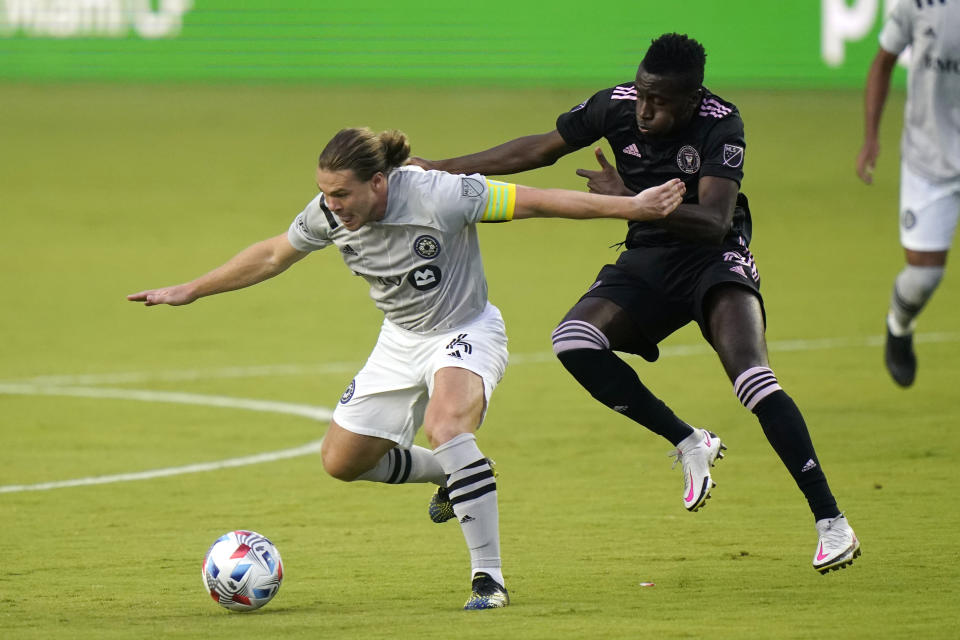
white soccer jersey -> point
(422, 260)
(931, 129)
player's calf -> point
(440, 508)
(911, 290)
(472, 490)
(585, 352)
(401, 466)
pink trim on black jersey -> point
(624, 92)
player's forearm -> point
(254, 264)
(577, 205)
(876, 91)
(519, 154)
(694, 222)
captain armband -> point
(501, 200)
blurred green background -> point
(117, 176)
(379, 42)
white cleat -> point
(698, 453)
(838, 545)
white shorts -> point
(928, 211)
(388, 397)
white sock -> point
(400, 466)
(496, 574)
(690, 441)
(911, 290)
(473, 492)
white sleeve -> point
(897, 30)
(308, 231)
(457, 200)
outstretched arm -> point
(519, 154)
(254, 264)
(650, 204)
(706, 221)
(875, 96)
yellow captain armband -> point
(501, 199)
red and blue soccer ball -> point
(242, 571)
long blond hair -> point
(365, 152)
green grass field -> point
(107, 190)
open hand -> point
(660, 201)
(421, 162)
(174, 296)
(605, 181)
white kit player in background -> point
(411, 234)
(930, 158)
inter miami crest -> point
(688, 160)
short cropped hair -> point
(365, 152)
(676, 54)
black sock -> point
(786, 430)
(614, 383)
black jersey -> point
(711, 145)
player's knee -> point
(441, 432)
(755, 384)
(573, 335)
(338, 466)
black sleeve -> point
(724, 148)
(584, 124)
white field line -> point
(51, 386)
(175, 397)
(310, 447)
(669, 351)
(197, 374)
(316, 413)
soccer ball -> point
(242, 571)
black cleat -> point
(441, 509)
(487, 594)
(900, 358)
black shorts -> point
(664, 288)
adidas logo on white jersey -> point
(632, 150)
